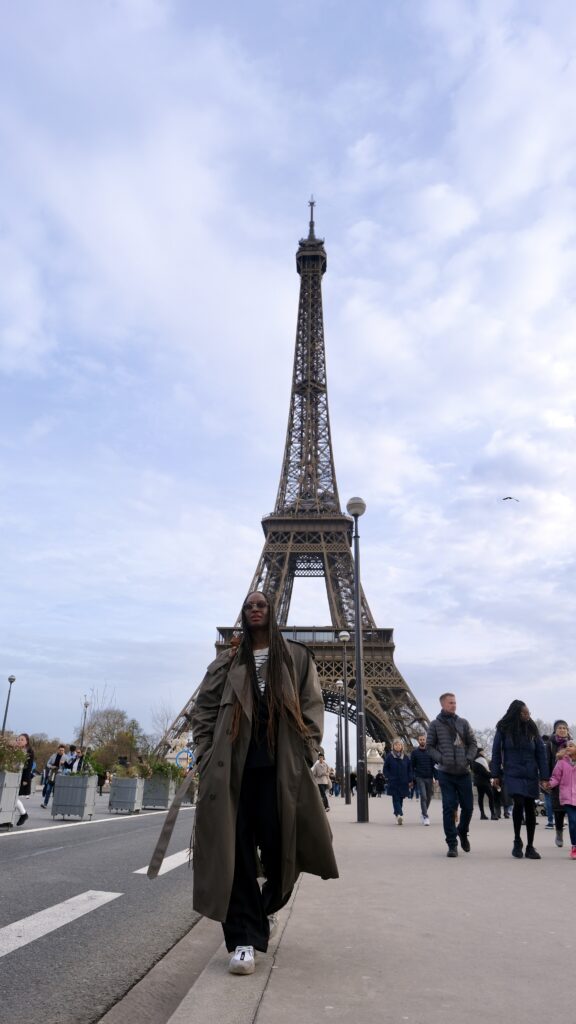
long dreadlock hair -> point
(279, 704)
(513, 725)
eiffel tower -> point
(308, 535)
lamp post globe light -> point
(344, 637)
(356, 507)
(11, 680)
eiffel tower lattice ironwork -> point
(308, 535)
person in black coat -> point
(399, 779)
(481, 773)
(23, 741)
(519, 759)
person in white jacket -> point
(321, 773)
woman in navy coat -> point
(519, 760)
(399, 780)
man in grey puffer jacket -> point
(452, 745)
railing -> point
(316, 635)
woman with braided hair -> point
(257, 725)
(519, 760)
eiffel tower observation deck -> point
(307, 535)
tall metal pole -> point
(344, 636)
(356, 507)
(11, 680)
(86, 706)
(340, 759)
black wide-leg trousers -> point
(257, 826)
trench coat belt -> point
(168, 826)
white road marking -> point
(169, 863)
(13, 936)
(93, 821)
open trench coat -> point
(306, 836)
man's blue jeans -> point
(456, 792)
(425, 789)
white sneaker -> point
(242, 962)
(426, 821)
(400, 819)
(273, 922)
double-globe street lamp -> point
(356, 507)
(11, 680)
(344, 637)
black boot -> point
(532, 854)
(517, 848)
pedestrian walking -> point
(257, 725)
(563, 782)
(423, 775)
(398, 774)
(556, 747)
(23, 741)
(452, 746)
(519, 759)
(321, 774)
(548, 805)
(484, 787)
(53, 766)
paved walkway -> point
(406, 934)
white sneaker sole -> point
(242, 968)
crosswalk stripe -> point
(20, 933)
(169, 863)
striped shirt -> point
(260, 659)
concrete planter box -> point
(74, 796)
(159, 791)
(126, 795)
(9, 786)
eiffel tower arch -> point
(308, 535)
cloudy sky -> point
(156, 161)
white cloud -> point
(158, 164)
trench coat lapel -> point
(240, 683)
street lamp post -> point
(11, 679)
(356, 507)
(339, 750)
(344, 637)
(86, 706)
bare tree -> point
(103, 726)
(163, 715)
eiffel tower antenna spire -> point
(311, 204)
(307, 534)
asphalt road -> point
(82, 967)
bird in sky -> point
(510, 498)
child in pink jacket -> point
(564, 776)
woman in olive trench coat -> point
(224, 706)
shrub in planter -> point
(126, 794)
(74, 795)
(160, 788)
(127, 787)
